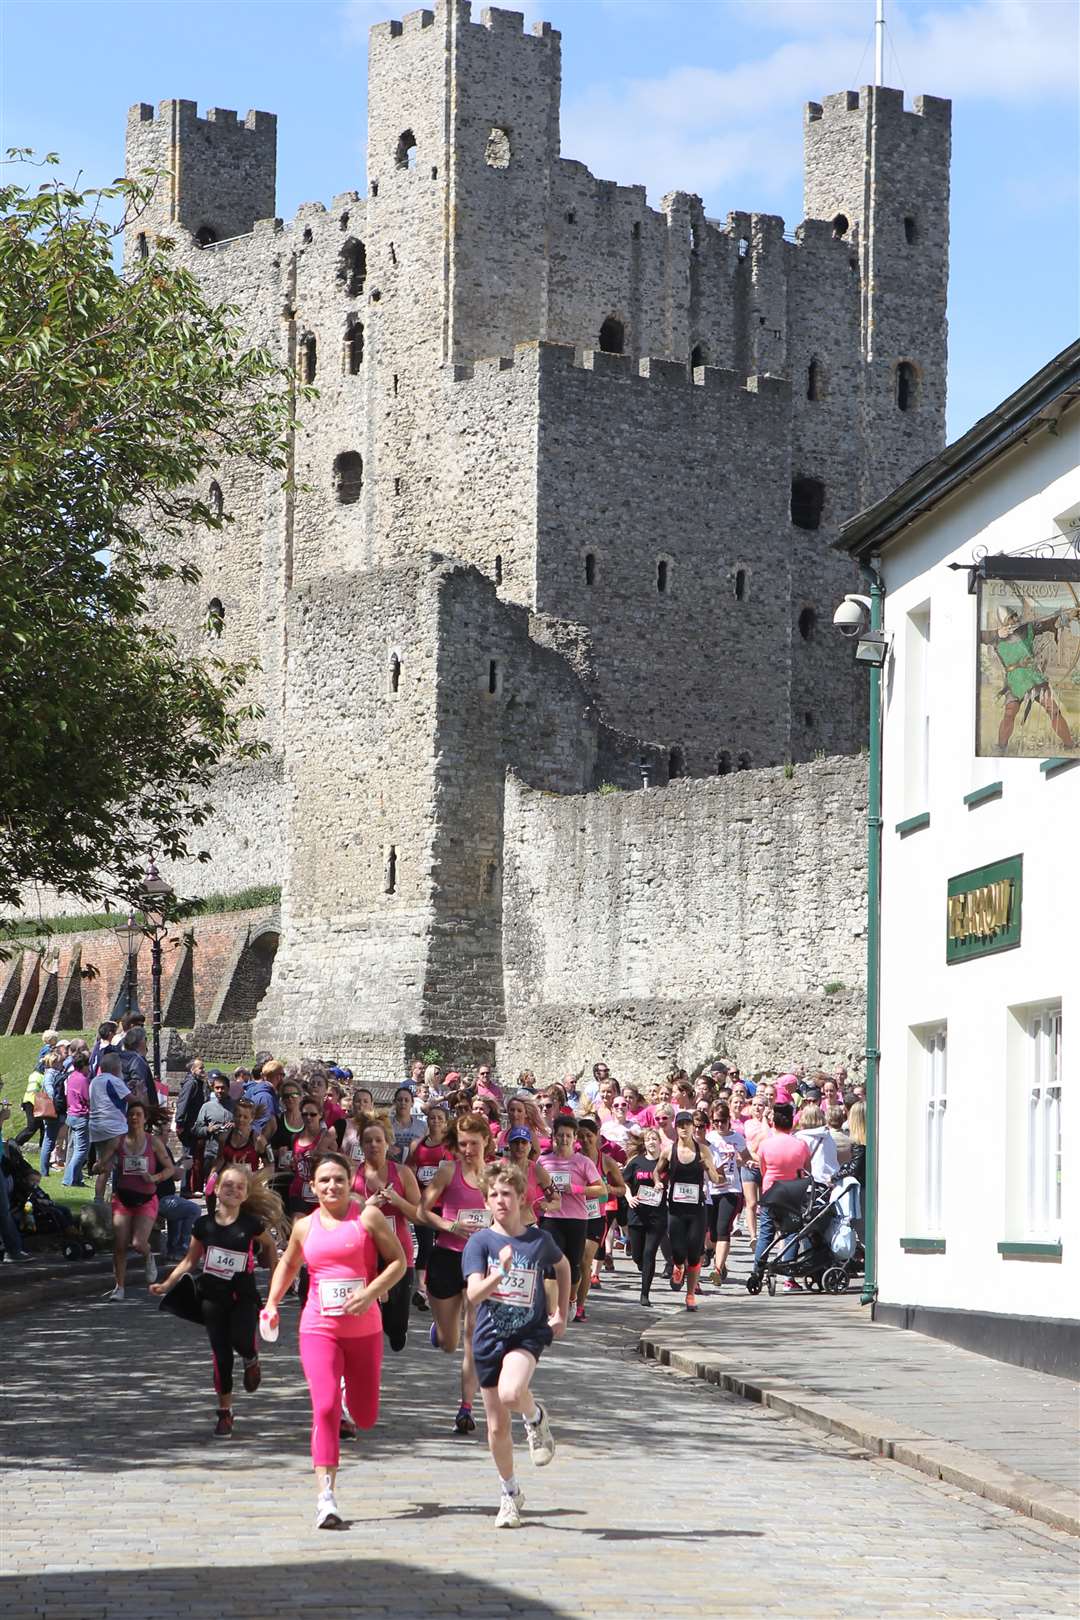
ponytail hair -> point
(260, 1199)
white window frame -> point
(1043, 1123)
(917, 720)
(934, 1104)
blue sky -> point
(702, 95)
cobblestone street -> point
(665, 1495)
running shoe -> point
(252, 1375)
(792, 1287)
(594, 1281)
(420, 1301)
(224, 1425)
(579, 1313)
(677, 1275)
(691, 1302)
(541, 1440)
(609, 1264)
(716, 1277)
(509, 1514)
(151, 1268)
(115, 1295)
(327, 1516)
(646, 1301)
(465, 1423)
(20, 1254)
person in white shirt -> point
(824, 1162)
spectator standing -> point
(35, 1081)
(9, 1232)
(105, 1035)
(214, 1118)
(108, 1113)
(837, 1118)
(194, 1090)
(824, 1162)
(78, 1118)
(782, 1159)
(135, 1069)
(53, 1084)
(262, 1093)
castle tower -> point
(220, 173)
(881, 175)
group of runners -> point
(492, 1215)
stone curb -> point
(953, 1464)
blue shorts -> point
(489, 1353)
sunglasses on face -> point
(309, 1114)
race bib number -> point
(518, 1287)
(474, 1219)
(592, 1209)
(307, 1193)
(649, 1195)
(221, 1262)
(136, 1164)
(355, 1152)
(685, 1192)
(285, 1158)
(334, 1293)
(560, 1180)
(426, 1173)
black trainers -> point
(224, 1425)
(465, 1423)
(252, 1375)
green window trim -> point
(1050, 766)
(1029, 1251)
(924, 1245)
(913, 823)
(983, 795)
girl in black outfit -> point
(686, 1164)
(227, 1301)
(648, 1218)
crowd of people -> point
(493, 1211)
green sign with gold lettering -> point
(982, 910)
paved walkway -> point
(665, 1495)
(1022, 1422)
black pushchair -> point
(816, 1238)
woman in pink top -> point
(575, 1178)
(343, 1247)
(393, 1189)
(78, 1121)
(755, 1128)
(455, 1204)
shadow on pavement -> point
(342, 1587)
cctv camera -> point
(852, 615)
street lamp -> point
(128, 933)
(157, 893)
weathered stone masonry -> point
(565, 500)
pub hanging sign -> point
(982, 910)
(1028, 661)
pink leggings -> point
(326, 1361)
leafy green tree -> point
(118, 389)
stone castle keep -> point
(563, 505)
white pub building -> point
(978, 1144)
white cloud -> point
(699, 128)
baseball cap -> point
(684, 1117)
(519, 1134)
(217, 1074)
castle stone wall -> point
(685, 922)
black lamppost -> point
(129, 933)
(156, 896)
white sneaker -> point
(327, 1516)
(115, 1294)
(509, 1514)
(541, 1440)
(151, 1269)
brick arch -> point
(247, 977)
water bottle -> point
(29, 1223)
(266, 1332)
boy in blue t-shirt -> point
(504, 1267)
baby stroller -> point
(34, 1211)
(815, 1236)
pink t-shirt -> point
(78, 1093)
(644, 1117)
(755, 1130)
(781, 1157)
(570, 1176)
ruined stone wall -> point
(685, 922)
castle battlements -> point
(631, 432)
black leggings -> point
(425, 1242)
(230, 1326)
(570, 1236)
(644, 1242)
(687, 1234)
(721, 1215)
(395, 1310)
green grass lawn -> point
(18, 1055)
